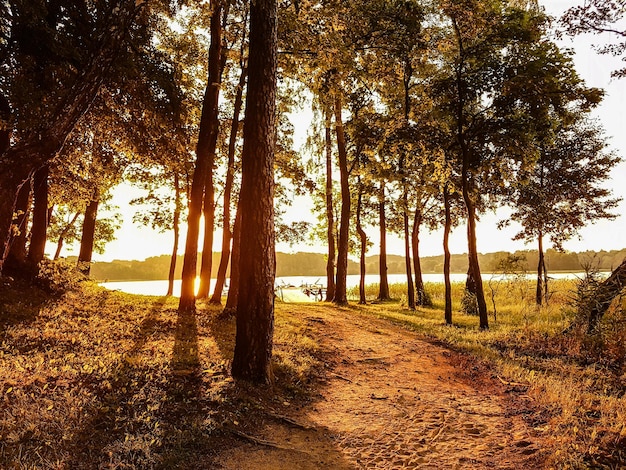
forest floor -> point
(388, 399)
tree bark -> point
(206, 263)
(421, 298)
(363, 251)
(211, 97)
(408, 73)
(257, 264)
(383, 287)
(344, 222)
(474, 265)
(88, 235)
(330, 212)
(446, 256)
(39, 146)
(540, 273)
(227, 233)
(5, 127)
(233, 290)
(407, 251)
(38, 233)
(176, 229)
(16, 257)
(203, 174)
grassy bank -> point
(102, 379)
(578, 380)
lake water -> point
(160, 287)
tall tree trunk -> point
(383, 287)
(88, 235)
(466, 188)
(205, 155)
(212, 95)
(57, 253)
(206, 264)
(176, 229)
(38, 233)
(408, 73)
(363, 251)
(12, 183)
(407, 251)
(227, 233)
(446, 256)
(5, 126)
(421, 299)
(8, 198)
(470, 280)
(257, 264)
(473, 261)
(233, 290)
(344, 222)
(330, 212)
(540, 267)
(16, 257)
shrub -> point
(57, 276)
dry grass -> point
(100, 379)
(579, 382)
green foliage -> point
(469, 305)
(597, 17)
(58, 277)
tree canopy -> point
(427, 113)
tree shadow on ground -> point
(180, 409)
(262, 432)
(116, 420)
(186, 421)
(20, 302)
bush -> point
(469, 303)
(57, 277)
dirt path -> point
(390, 401)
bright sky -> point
(138, 243)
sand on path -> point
(391, 400)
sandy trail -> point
(391, 401)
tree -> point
(202, 190)
(257, 264)
(63, 229)
(227, 231)
(559, 191)
(480, 71)
(75, 53)
(562, 192)
(37, 247)
(330, 213)
(344, 221)
(162, 210)
(598, 17)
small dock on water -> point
(304, 293)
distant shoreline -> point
(314, 264)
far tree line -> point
(427, 114)
(314, 264)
